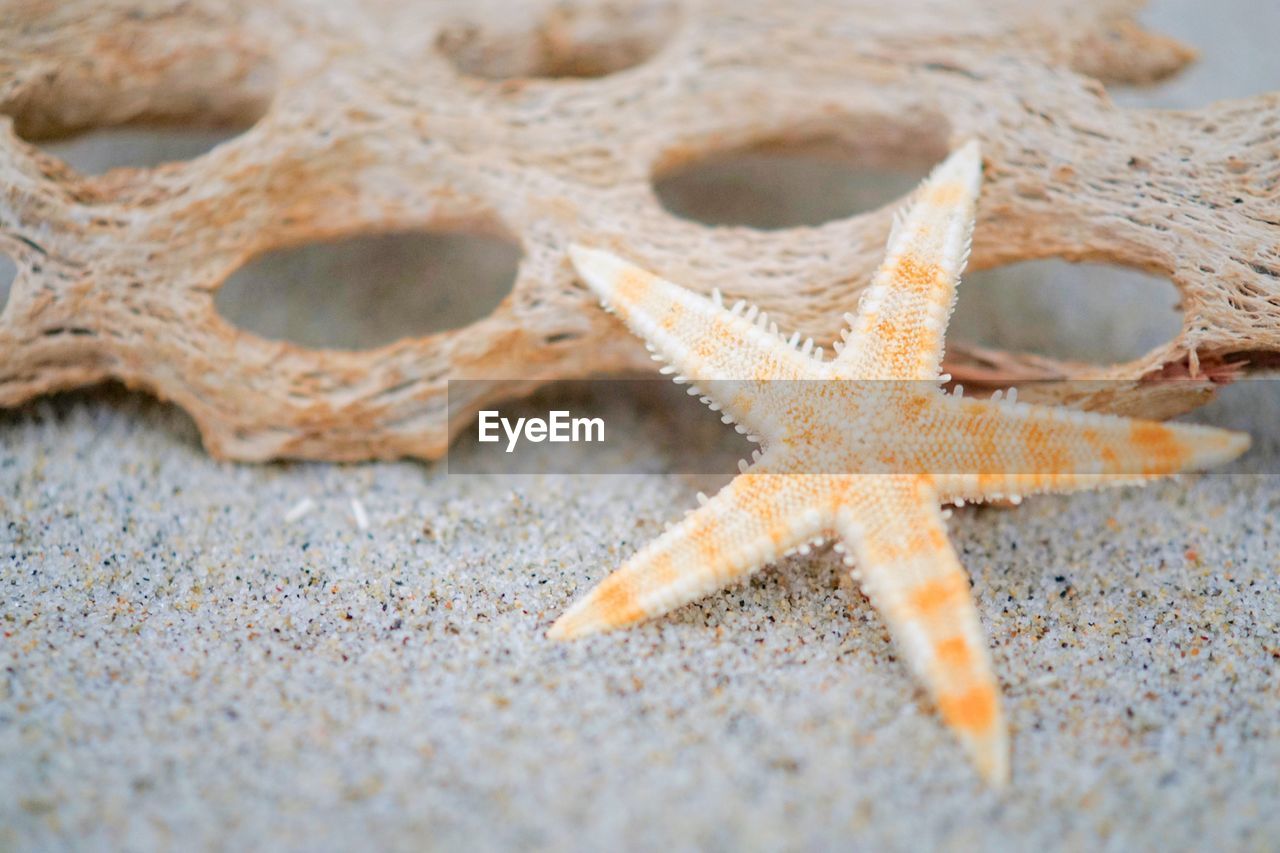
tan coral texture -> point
(547, 123)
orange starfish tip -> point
(559, 630)
(577, 621)
(569, 626)
(606, 607)
(989, 752)
(1231, 444)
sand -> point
(184, 664)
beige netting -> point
(547, 122)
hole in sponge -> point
(567, 40)
(1076, 312)
(788, 184)
(8, 272)
(136, 147)
(169, 105)
(366, 291)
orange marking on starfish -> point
(1159, 441)
(777, 534)
(616, 599)
(1035, 437)
(631, 287)
(765, 485)
(973, 710)
(954, 653)
(886, 328)
(708, 548)
(946, 195)
(984, 431)
(1051, 459)
(664, 569)
(934, 595)
(914, 406)
(918, 276)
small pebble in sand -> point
(299, 510)
(362, 517)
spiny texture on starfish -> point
(868, 461)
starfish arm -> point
(901, 325)
(751, 522)
(907, 567)
(733, 356)
(1001, 450)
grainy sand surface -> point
(182, 664)
(191, 657)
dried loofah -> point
(391, 116)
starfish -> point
(866, 447)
